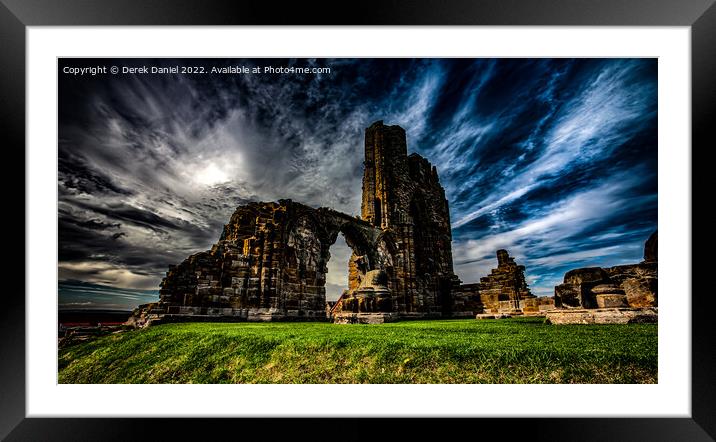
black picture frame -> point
(16, 15)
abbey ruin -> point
(270, 262)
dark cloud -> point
(94, 224)
(76, 175)
(137, 216)
(553, 159)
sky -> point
(554, 160)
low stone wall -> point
(602, 316)
(160, 313)
(365, 318)
(492, 316)
(384, 317)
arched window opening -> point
(337, 275)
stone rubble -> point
(633, 285)
(595, 295)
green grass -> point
(519, 350)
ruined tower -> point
(386, 154)
(403, 197)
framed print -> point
(428, 215)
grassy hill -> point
(519, 350)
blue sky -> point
(553, 159)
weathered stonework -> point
(505, 286)
(595, 295)
(603, 316)
(270, 262)
(503, 292)
(402, 197)
(632, 285)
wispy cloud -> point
(558, 236)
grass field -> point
(518, 350)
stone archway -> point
(360, 238)
(309, 235)
(372, 269)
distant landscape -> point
(80, 295)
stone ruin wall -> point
(624, 286)
(270, 262)
(505, 286)
(504, 291)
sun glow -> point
(211, 175)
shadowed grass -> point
(518, 350)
